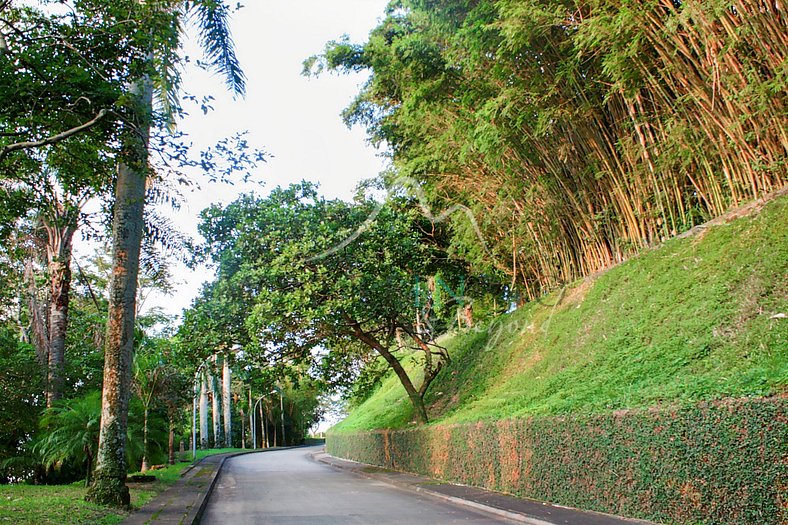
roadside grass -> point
(691, 320)
(66, 505)
(52, 505)
(210, 452)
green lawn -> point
(52, 505)
(210, 452)
(691, 320)
(66, 505)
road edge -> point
(360, 469)
(327, 459)
(198, 509)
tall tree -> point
(84, 66)
(149, 383)
(176, 393)
(58, 83)
(159, 48)
(109, 486)
(227, 401)
(216, 412)
(60, 230)
(204, 437)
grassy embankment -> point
(697, 318)
(66, 505)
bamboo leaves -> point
(578, 132)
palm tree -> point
(70, 433)
(157, 73)
(148, 383)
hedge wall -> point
(719, 462)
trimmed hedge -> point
(719, 462)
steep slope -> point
(700, 317)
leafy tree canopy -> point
(326, 274)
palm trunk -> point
(109, 487)
(226, 404)
(252, 427)
(243, 426)
(144, 466)
(203, 412)
(263, 428)
(215, 413)
(274, 425)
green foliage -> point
(615, 394)
(715, 463)
(87, 323)
(20, 387)
(692, 320)
(70, 433)
(576, 133)
(299, 274)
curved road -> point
(288, 487)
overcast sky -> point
(295, 119)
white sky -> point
(294, 118)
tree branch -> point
(55, 138)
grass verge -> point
(66, 505)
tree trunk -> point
(274, 425)
(215, 412)
(203, 412)
(89, 460)
(171, 443)
(415, 399)
(39, 331)
(420, 411)
(263, 428)
(243, 426)
(252, 427)
(60, 234)
(226, 404)
(144, 466)
(109, 486)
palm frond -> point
(168, 65)
(70, 431)
(217, 43)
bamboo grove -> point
(577, 132)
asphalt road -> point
(287, 487)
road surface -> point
(288, 487)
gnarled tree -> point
(330, 274)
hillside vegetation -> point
(695, 319)
(577, 133)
